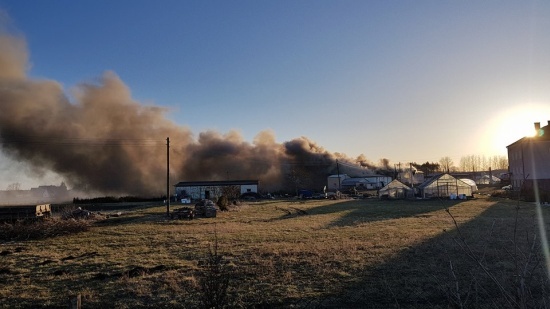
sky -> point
(402, 80)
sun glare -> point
(511, 125)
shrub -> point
(214, 280)
(27, 230)
(223, 203)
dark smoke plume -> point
(107, 142)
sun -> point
(512, 124)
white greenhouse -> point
(445, 185)
(395, 190)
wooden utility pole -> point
(338, 171)
(167, 176)
(412, 175)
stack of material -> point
(206, 208)
(183, 213)
(25, 212)
(78, 213)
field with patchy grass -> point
(315, 254)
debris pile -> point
(78, 213)
(206, 208)
(183, 213)
(83, 214)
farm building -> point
(529, 160)
(212, 190)
(395, 190)
(335, 181)
(41, 194)
(378, 181)
(368, 182)
(359, 183)
(444, 185)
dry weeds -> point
(354, 253)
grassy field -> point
(287, 254)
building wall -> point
(333, 184)
(378, 181)
(209, 192)
(249, 188)
(528, 160)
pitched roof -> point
(435, 178)
(395, 184)
(542, 135)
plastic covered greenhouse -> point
(395, 190)
(445, 185)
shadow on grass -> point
(356, 212)
(131, 217)
(488, 262)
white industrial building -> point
(198, 190)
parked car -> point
(319, 196)
(507, 188)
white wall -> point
(249, 188)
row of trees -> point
(471, 163)
(474, 163)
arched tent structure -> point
(444, 185)
(471, 183)
(395, 190)
(488, 180)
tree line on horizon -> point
(470, 163)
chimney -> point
(537, 126)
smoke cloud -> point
(105, 141)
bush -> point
(25, 230)
(223, 203)
(214, 280)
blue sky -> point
(403, 80)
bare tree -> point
(500, 162)
(231, 192)
(296, 177)
(476, 163)
(446, 164)
(14, 187)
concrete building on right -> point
(529, 160)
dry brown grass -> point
(353, 253)
(41, 229)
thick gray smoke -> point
(106, 141)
